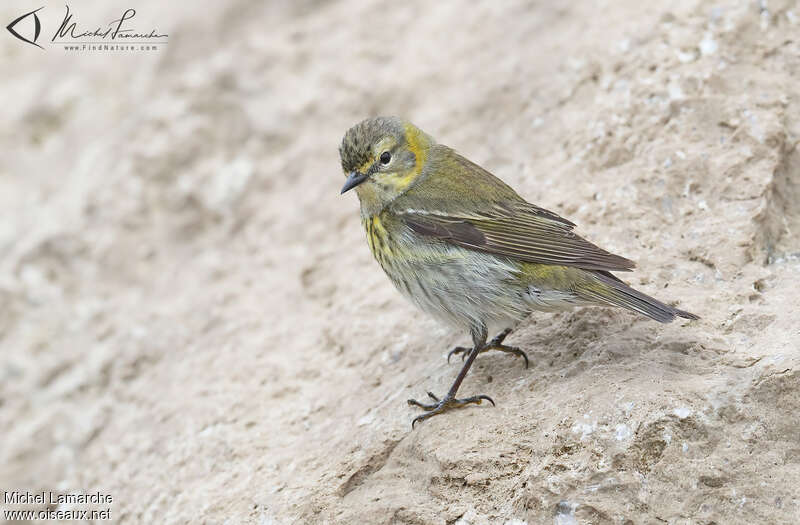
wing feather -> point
(527, 233)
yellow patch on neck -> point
(418, 143)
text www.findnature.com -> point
(111, 47)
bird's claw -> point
(510, 350)
(448, 403)
(494, 344)
(431, 406)
(458, 350)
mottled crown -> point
(356, 148)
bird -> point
(468, 250)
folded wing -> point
(521, 231)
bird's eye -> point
(385, 158)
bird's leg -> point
(494, 344)
(449, 401)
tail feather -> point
(612, 290)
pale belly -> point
(464, 288)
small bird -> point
(467, 249)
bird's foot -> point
(494, 344)
(440, 406)
(463, 350)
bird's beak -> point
(353, 180)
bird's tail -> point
(608, 289)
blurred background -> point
(191, 320)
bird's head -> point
(382, 157)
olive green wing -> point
(520, 231)
(459, 202)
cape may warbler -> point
(465, 248)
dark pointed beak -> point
(353, 180)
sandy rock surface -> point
(191, 320)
